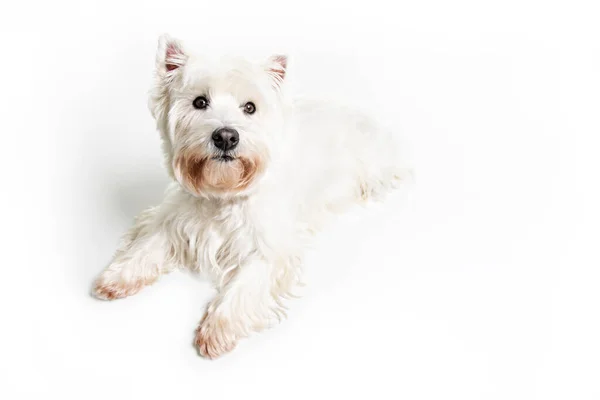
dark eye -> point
(249, 108)
(200, 102)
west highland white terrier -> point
(254, 176)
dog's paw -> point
(215, 336)
(112, 290)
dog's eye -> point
(200, 102)
(249, 108)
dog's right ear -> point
(170, 55)
(170, 60)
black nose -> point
(225, 138)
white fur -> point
(316, 159)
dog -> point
(255, 174)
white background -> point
(481, 282)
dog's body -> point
(254, 177)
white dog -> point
(255, 175)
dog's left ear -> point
(276, 67)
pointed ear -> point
(170, 55)
(276, 67)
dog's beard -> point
(217, 174)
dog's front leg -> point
(250, 301)
(142, 257)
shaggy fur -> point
(244, 219)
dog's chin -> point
(220, 175)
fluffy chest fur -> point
(209, 235)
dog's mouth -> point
(224, 158)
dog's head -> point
(218, 118)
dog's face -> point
(219, 119)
